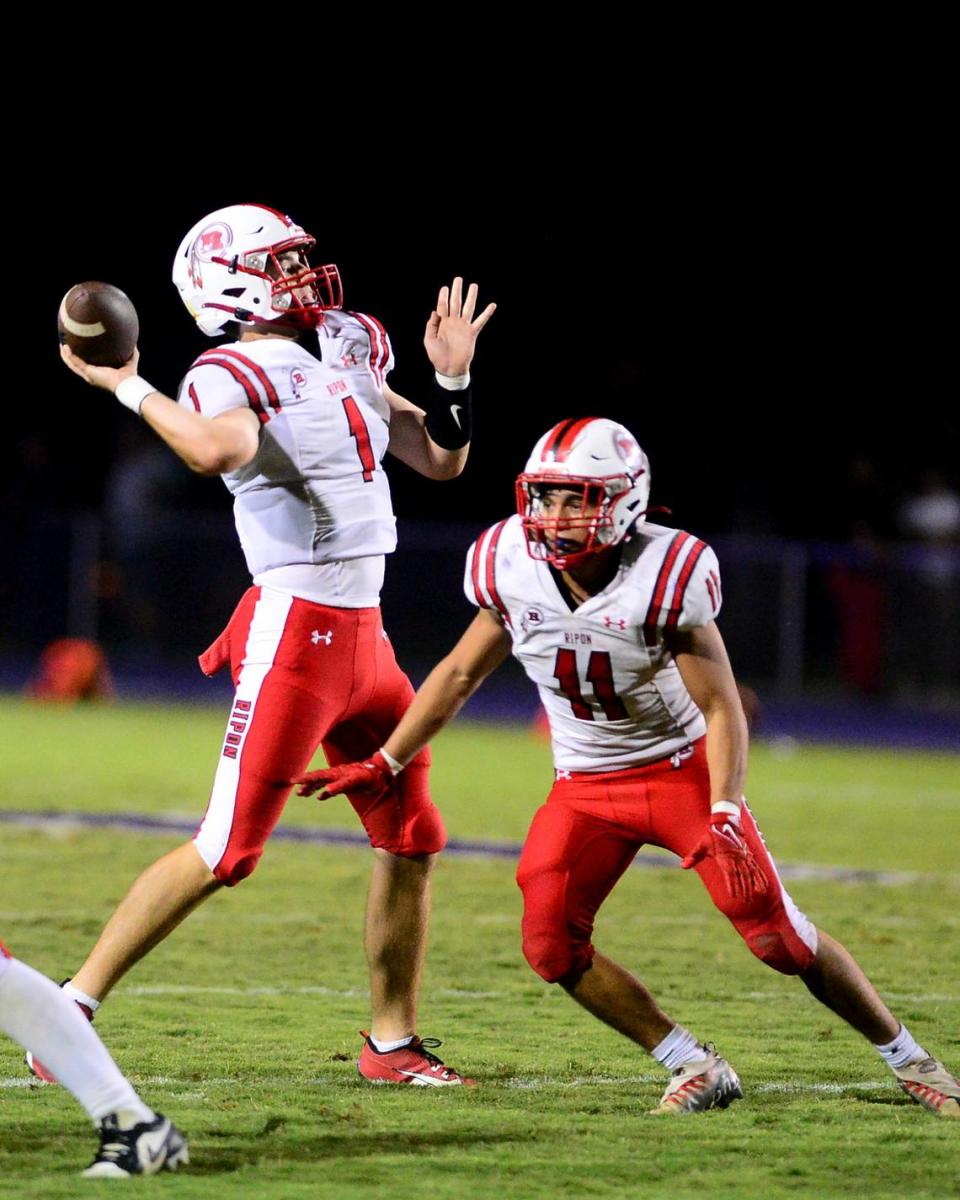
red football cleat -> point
(412, 1063)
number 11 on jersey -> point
(599, 676)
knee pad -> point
(230, 871)
(555, 958)
(785, 952)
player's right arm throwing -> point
(208, 445)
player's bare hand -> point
(370, 778)
(108, 378)
(723, 842)
(451, 334)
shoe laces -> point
(112, 1152)
(424, 1045)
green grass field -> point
(242, 1026)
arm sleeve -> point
(701, 598)
(211, 390)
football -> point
(99, 324)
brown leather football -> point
(99, 324)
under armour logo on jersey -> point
(316, 637)
(614, 623)
(349, 359)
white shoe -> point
(704, 1083)
(143, 1150)
(928, 1081)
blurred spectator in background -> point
(930, 586)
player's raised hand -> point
(108, 378)
(370, 778)
(451, 334)
(723, 842)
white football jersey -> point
(612, 692)
(316, 491)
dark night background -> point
(767, 313)
(754, 338)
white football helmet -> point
(603, 461)
(228, 269)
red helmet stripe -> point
(253, 397)
(560, 439)
(271, 392)
(680, 589)
(659, 591)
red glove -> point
(373, 777)
(724, 843)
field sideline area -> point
(242, 1026)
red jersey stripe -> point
(656, 603)
(192, 393)
(385, 355)
(680, 589)
(491, 557)
(269, 390)
(712, 590)
(375, 349)
(253, 396)
(475, 572)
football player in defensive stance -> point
(296, 415)
(134, 1140)
(613, 618)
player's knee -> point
(232, 869)
(426, 833)
(423, 833)
(788, 955)
(555, 958)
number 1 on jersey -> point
(599, 675)
(359, 431)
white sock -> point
(81, 997)
(679, 1047)
(902, 1050)
(386, 1047)
(38, 1015)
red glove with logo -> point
(373, 777)
(724, 843)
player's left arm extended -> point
(434, 440)
(705, 669)
(482, 649)
(702, 660)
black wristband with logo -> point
(450, 417)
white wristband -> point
(453, 383)
(395, 767)
(729, 807)
(133, 391)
